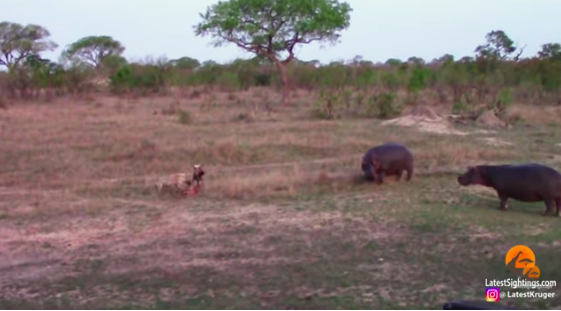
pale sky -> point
(380, 29)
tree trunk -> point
(284, 81)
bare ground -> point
(284, 221)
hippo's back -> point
(529, 170)
(390, 157)
(526, 178)
(389, 151)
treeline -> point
(495, 75)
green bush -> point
(145, 79)
(386, 105)
(122, 80)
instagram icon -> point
(492, 294)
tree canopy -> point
(93, 50)
(17, 42)
(185, 63)
(271, 28)
(550, 51)
(498, 46)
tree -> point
(17, 42)
(185, 63)
(44, 74)
(113, 62)
(498, 46)
(414, 60)
(393, 62)
(270, 28)
(466, 60)
(550, 51)
(355, 61)
(313, 63)
(444, 59)
(93, 50)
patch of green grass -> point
(184, 117)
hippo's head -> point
(369, 169)
(471, 177)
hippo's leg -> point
(549, 204)
(558, 204)
(399, 174)
(504, 202)
(409, 173)
(381, 176)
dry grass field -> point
(284, 221)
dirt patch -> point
(221, 240)
(489, 119)
(425, 112)
(425, 119)
(496, 141)
(538, 114)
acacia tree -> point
(550, 51)
(185, 62)
(17, 42)
(491, 63)
(271, 28)
(93, 50)
(499, 46)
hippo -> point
(530, 182)
(389, 159)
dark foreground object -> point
(526, 183)
(473, 305)
(389, 159)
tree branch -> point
(90, 56)
(290, 44)
(272, 33)
(255, 48)
(246, 21)
(517, 57)
(22, 55)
